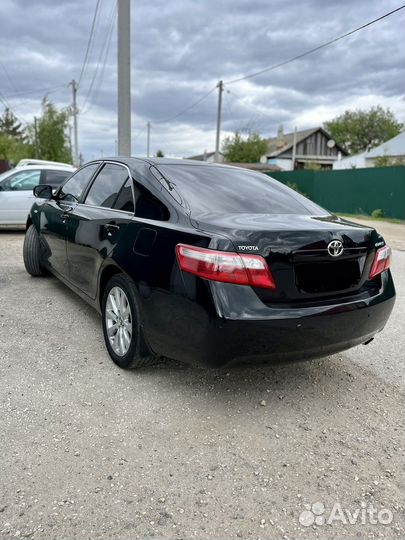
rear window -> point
(229, 190)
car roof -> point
(28, 161)
(67, 168)
(133, 161)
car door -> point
(95, 225)
(55, 214)
(16, 196)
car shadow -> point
(273, 382)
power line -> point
(37, 91)
(194, 104)
(89, 43)
(102, 59)
(310, 51)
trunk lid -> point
(296, 250)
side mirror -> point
(43, 191)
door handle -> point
(111, 228)
(65, 214)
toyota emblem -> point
(335, 248)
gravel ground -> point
(91, 451)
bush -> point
(377, 213)
(295, 187)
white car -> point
(39, 162)
(16, 187)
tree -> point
(12, 149)
(239, 149)
(9, 125)
(387, 161)
(160, 153)
(52, 139)
(357, 131)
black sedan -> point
(207, 263)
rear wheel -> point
(32, 253)
(121, 324)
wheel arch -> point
(106, 274)
(29, 222)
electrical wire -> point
(314, 49)
(48, 90)
(89, 43)
(194, 104)
(102, 60)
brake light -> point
(381, 262)
(225, 266)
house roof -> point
(392, 147)
(273, 144)
(201, 157)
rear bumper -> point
(248, 329)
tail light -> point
(381, 262)
(225, 266)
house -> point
(209, 157)
(309, 147)
(393, 150)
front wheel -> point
(32, 253)
(121, 324)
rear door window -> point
(106, 186)
(125, 199)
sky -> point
(181, 49)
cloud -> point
(179, 52)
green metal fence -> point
(352, 191)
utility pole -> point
(124, 77)
(220, 87)
(74, 114)
(70, 142)
(294, 148)
(36, 137)
(148, 140)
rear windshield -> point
(229, 190)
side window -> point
(106, 186)
(22, 181)
(148, 206)
(75, 186)
(55, 178)
(125, 199)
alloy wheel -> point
(118, 318)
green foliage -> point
(160, 153)
(10, 126)
(13, 149)
(357, 131)
(295, 187)
(387, 161)
(239, 149)
(52, 139)
(312, 166)
(377, 213)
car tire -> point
(32, 253)
(134, 354)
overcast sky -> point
(180, 49)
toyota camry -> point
(208, 263)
